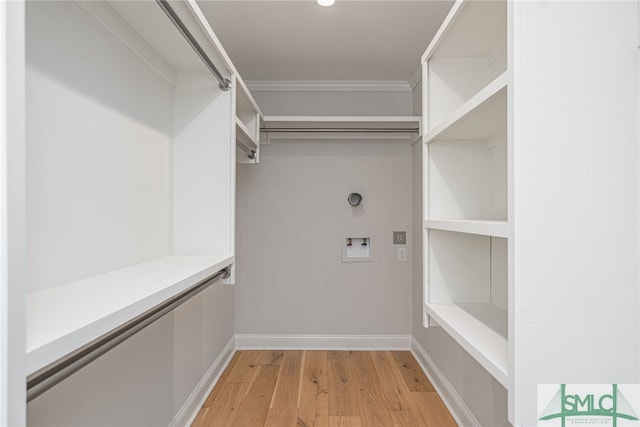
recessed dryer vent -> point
(357, 249)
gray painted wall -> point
(292, 214)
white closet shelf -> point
(391, 128)
(484, 115)
(495, 228)
(243, 135)
(342, 122)
(480, 328)
(62, 319)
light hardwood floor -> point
(323, 389)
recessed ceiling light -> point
(325, 2)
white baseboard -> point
(196, 399)
(322, 342)
(460, 412)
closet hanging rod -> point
(225, 83)
(49, 376)
(342, 130)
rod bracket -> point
(225, 86)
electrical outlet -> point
(399, 237)
(402, 254)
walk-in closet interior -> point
(182, 180)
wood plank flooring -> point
(323, 389)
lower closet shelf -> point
(64, 318)
(480, 328)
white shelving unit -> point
(467, 293)
(517, 183)
(130, 165)
(468, 52)
(466, 181)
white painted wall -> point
(202, 166)
(99, 190)
(292, 214)
(575, 204)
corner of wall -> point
(417, 98)
(452, 400)
(191, 407)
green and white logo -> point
(576, 405)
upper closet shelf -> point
(64, 318)
(479, 118)
(402, 128)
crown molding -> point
(329, 86)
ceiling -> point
(297, 40)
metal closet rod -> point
(49, 376)
(340, 130)
(225, 83)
